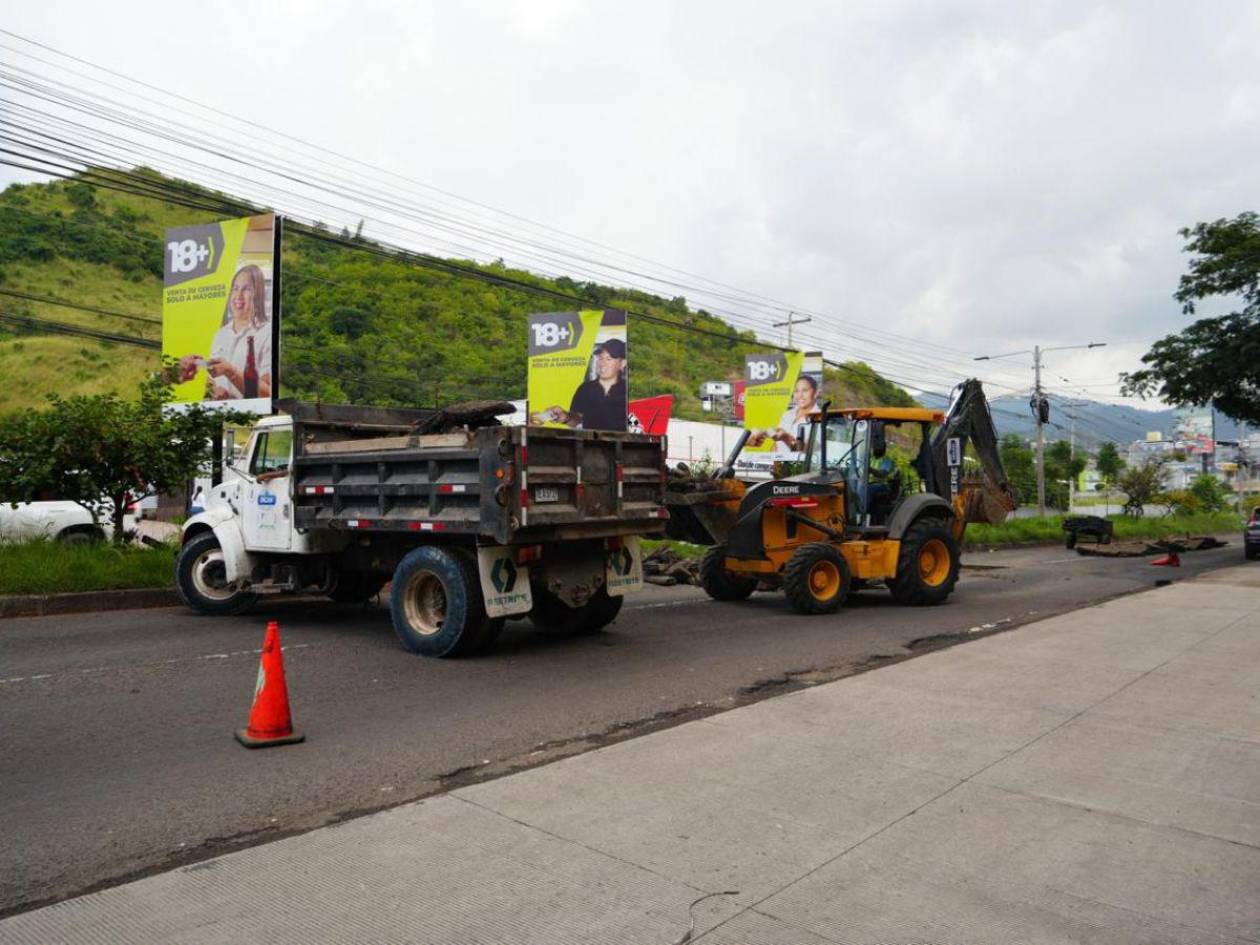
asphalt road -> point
(116, 748)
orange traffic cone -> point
(1170, 560)
(269, 719)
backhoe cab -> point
(850, 519)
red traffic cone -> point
(1170, 560)
(269, 719)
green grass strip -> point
(48, 567)
(1022, 531)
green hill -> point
(358, 326)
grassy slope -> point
(421, 337)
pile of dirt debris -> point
(667, 567)
(1140, 549)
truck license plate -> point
(546, 494)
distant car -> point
(1251, 538)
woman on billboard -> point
(787, 440)
(239, 366)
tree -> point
(1212, 496)
(1141, 485)
(104, 452)
(1109, 463)
(1062, 467)
(1215, 360)
(1020, 466)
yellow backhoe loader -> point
(849, 520)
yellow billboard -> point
(220, 312)
(783, 390)
(577, 369)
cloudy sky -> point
(971, 178)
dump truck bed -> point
(363, 469)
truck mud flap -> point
(624, 568)
(504, 583)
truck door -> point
(268, 506)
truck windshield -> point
(845, 446)
(272, 452)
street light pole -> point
(1037, 400)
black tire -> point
(81, 535)
(924, 577)
(199, 578)
(436, 605)
(554, 616)
(816, 579)
(355, 587)
(719, 583)
(1251, 553)
(1069, 540)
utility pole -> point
(1039, 414)
(1072, 449)
(1040, 408)
(792, 320)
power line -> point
(63, 303)
(874, 359)
(30, 322)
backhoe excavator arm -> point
(968, 418)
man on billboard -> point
(593, 386)
(600, 403)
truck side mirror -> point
(879, 441)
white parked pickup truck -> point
(472, 524)
(62, 521)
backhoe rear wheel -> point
(718, 582)
(927, 568)
(816, 579)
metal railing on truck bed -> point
(365, 469)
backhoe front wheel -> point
(718, 582)
(927, 567)
(816, 579)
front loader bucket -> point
(705, 513)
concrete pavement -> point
(1093, 777)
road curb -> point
(43, 605)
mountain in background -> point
(360, 325)
(1096, 422)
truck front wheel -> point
(719, 583)
(201, 578)
(436, 604)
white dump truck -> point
(472, 522)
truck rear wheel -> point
(552, 615)
(816, 579)
(436, 604)
(201, 578)
(927, 567)
(718, 582)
